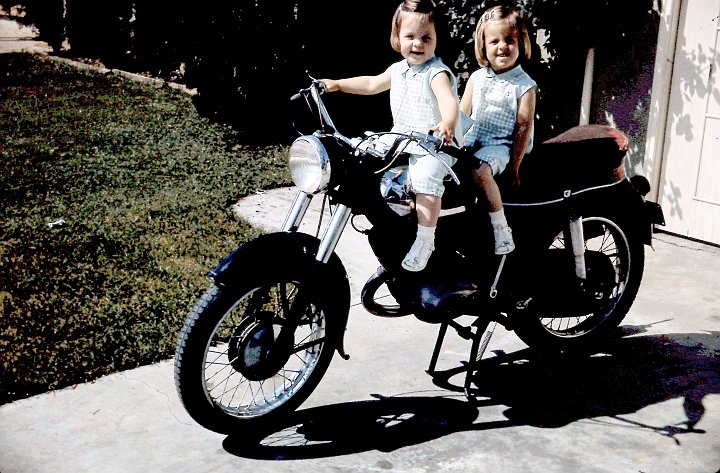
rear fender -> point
(651, 211)
(626, 203)
(329, 280)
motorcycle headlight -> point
(309, 164)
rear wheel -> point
(574, 316)
(254, 351)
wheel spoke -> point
(242, 404)
(225, 389)
(306, 345)
(224, 381)
(283, 375)
(224, 367)
(219, 355)
(235, 390)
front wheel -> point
(575, 317)
(253, 350)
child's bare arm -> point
(361, 85)
(523, 127)
(466, 101)
(448, 105)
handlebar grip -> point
(320, 85)
(428, 138)
(322, 88)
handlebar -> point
(430, 143)
(316, 84)
(316, 89)
(429, 138)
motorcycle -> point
(260, 339)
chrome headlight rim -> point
(309, 164)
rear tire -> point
(255, 349)
(625, 254)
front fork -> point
(577, 239)
(328, 242)
(331, 236)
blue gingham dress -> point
(494, 111)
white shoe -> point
(419, 254)
(504, 243)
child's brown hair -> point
(425, 7)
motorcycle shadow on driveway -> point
(628, 373)
(631, 372)
(384, 424)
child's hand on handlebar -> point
(445, 130)
(331, 85)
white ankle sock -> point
(426, 233)
(498, 218)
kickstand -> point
(481, 339)
(463, 331)
(438, 346)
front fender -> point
(269, 249)
(329, 280)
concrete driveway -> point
(649, 403)
(15, 37)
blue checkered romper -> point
(494, 111)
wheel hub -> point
(254, 350)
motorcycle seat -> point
(583, 157)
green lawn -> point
(144, 186)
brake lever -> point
(437, 145)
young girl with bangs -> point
(423, 97)
(500, 98)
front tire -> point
(255, 349)
(616, 269)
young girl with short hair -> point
(500, 98)
(423, 97)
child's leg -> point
(428, 210)
(427, 207)
(484, 178)
(504, 243)
(426, 175)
